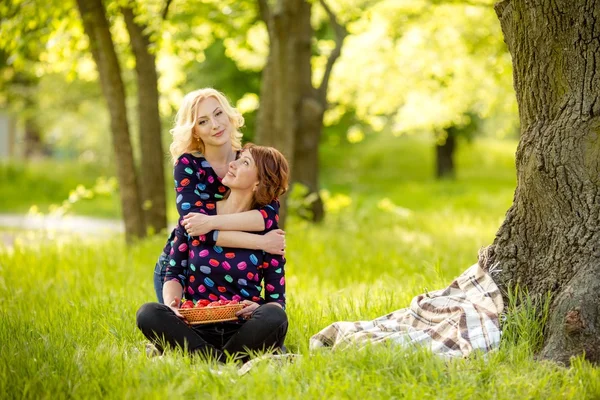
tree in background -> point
(144, 207)
(152, 176)
(101, 44)
(434, 66)
(18, 90)
(291, 109)
(446, 141)
(20, 98)
(550, 239)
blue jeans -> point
(160, 270)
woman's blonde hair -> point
(186, 119)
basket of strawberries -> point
(207, 312)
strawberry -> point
(187, 304)
(202, 303)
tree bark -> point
(444, 155)
(97, 30)
(291, 112)
(276, 122)
(33, 144)
(550, 239)
(152, 153)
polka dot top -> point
(207, 271)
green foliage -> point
(423, 66)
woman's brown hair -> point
(273, 173)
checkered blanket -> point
(450, 322)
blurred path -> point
(85, 226)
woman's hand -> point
(197, 224)
(273, 242)
(249, 308)
(175, 307)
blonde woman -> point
(206, 138)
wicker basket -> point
(208, 315)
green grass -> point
(67, 321)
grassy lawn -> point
(68, 305)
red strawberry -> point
(187, 304)
(202, 303)
(223, 302)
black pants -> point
(265, 330)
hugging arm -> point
(231, 226)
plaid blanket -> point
(451, 322)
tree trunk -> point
(291, 112)
(310, 110)
(33, 145)
(97, 30)
(264, 119)
(444, 155)
(306, 153)
(277, 121)
(550, 239)
(152, 154)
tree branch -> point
(340, 34)
(265, 12)
(165, 12)
(139, 41)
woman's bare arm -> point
(272, 242)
